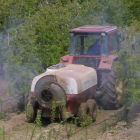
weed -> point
(41, 136)
(111, 128)
(38, 121)
(64, 110)
(104, 126)
(119, 119)
(128, 124)
(3, 133)
(3, 115)
(49, 135)
(33, 132)
(27, 131)
(87, 121)
(70, 131)
(100, 111)
(53, 112)
(76, 120)
(18, 112)
(28, 112)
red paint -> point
(34, 94)
(93, 28)
(74, 100)
(107, 62)
(87, 56)
(72, 59)
(69, 59)
(69, 96)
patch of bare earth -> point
(123, 130)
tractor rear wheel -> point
(109, 86)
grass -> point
(128, 124)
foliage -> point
(33, 132)
(87, 121)
(28, 112)
(38, 120)
(53, 112)
(133, 11)
(128, 67)
(2, 133)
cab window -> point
(115, 42)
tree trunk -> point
(126, 110)
(125, 114)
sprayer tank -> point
(71, 83)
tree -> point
(128, 68)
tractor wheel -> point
(31, 110)
(86, 110)
(82, 110)
(109, 89)
(92, 109)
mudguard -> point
(106, 62)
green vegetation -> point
(128, 68)
(35, 34)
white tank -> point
(73, 78)
(59, 81)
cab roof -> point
(94, 28)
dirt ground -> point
(106, 126)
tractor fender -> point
(106, 62)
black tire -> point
(108, 84)
(92, 109)
(31, 110)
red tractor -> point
(83, 76)
(101, 58)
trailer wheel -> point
(92, 109)
(31, 110)
(82, 110)
(109, 86)
(89, 109)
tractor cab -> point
(93, 46)
(94, 40)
